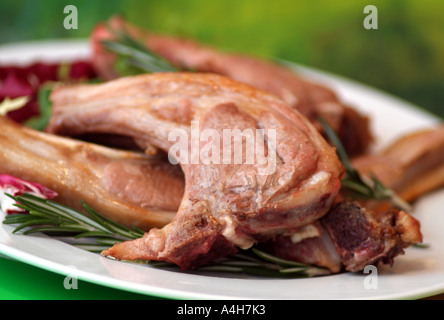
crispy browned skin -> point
(311, 99)
(224, 205)
(127, 187)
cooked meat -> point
(314, 248)
(311, 99)
(227, 204)
(362, 237)
(350, 237)
(412, 165)
(127, 187)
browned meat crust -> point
(311, 99)
(127, 187)
(231, 200)
(412, 165)
(362, 237)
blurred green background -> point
(404, 56)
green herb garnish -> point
(133, 57)
(360, 186)
(45, 109)
(93, 232)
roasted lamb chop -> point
(350, 237)
(127, 187)
(411, 166)
(311, 244)
(320, 243)
(225, 205)
(311, 99)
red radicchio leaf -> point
(13, 86)
(81, 70)
(15, 186)
(18, 81)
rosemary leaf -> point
(32, 222)
(276, 260)
(293, 270)
(92, 234)
(220, 268)
(239, 263)
(17, 218)
(74, 227)
(131, 233)
(133, 56)
(342, 153)
(307, 271)
(76, 216)
(91, 247)
(108, 242)
(358, 185)
(49, 229)
(118, 231)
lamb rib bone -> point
(225, 206)
(412, 165)
(128, 187)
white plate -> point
(418, 273)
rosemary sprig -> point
(260, 263)
(133, 56)
(361, 186)
(94, 232)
